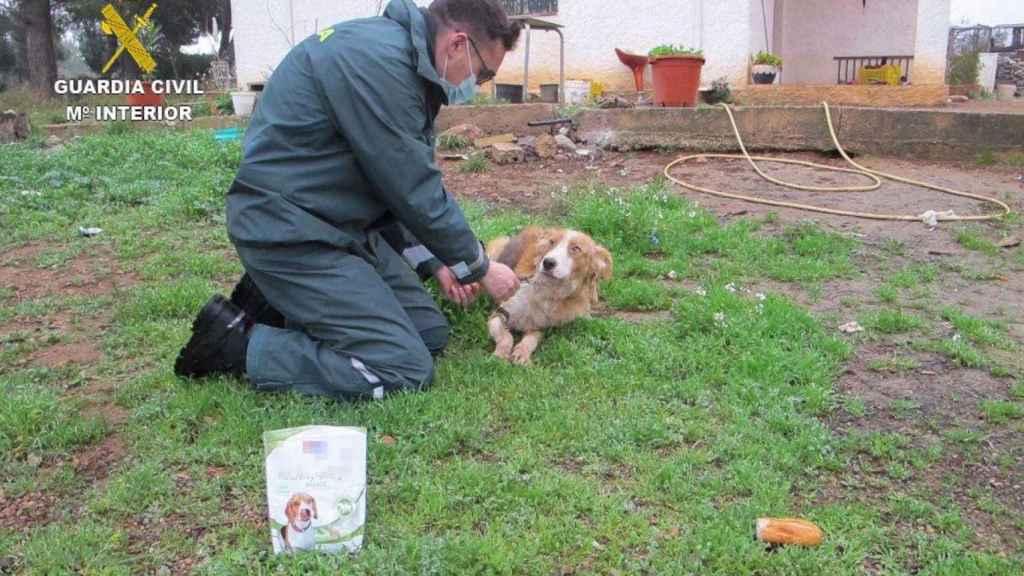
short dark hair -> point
(483, 18)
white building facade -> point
(808, 34)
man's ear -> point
(604, 263)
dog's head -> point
(568, 257)
(300, 510)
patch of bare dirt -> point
(534, 186)
(943, 394)
(93, 273)
(60, 355)
(96, 462)
(27, 511)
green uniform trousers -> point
(360, 324)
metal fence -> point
(530, 7)
(1008, 38)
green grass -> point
(894, 364)
(978, 331)
(476, 164)
(625, 448)
(453, 142)
(971, 238)
(887, 294)
(35, 419)
(914, 276)
(986, 158)
(1001, 411)
(891, 322)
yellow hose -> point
(858, 169)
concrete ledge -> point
(497, 119)
(922, 96)
(934, 134)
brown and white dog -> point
(299, 534)
(560, 270)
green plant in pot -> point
(676, 72)
(152, 38)
(766, 67)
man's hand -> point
(463, 295)
(500, 282)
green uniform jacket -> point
(342, 141)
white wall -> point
(932, 41)
(264, 30)
(814, 32)
(757, 24)
(594, 28)
(987, 73)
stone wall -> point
(1011, 70)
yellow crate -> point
(888, 74)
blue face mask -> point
(466, 90)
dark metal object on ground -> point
(552, 123)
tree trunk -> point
(41, 56)
(225, 52)
(21, 55)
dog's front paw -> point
(521, 356)
(504, 351)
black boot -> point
(248, 297)
(218, 344)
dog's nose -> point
(549, 264)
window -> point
(530, 7)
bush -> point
(720, 92)
(964, 69)
(225, 105)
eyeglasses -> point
(486, 74)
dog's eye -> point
(576, 249)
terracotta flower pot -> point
(676, 80)
(149, 98)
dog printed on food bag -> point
(298, 533)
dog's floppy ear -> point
(530, 247)
(603, 258)
(289, 509)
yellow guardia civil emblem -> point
(113, 24)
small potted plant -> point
(766, 67)
(676, 72)
(151, 37)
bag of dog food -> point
(316, 488)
